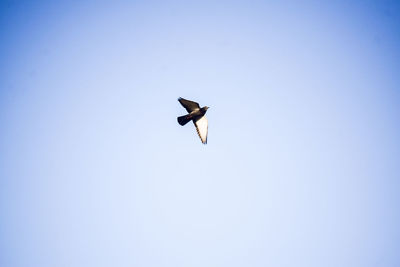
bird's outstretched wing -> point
(202, 128)
(188, 105)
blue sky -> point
(303, 156)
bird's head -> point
(205, 107)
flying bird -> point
(197, 115)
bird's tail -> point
(182, 120)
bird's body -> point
(194, 115)
(197, 115)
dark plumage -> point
(197, 115)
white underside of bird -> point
(202, 129)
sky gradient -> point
(302, 164)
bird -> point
(197, 115)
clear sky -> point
(302, 165)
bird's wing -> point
(202, 128)
(188, 105)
